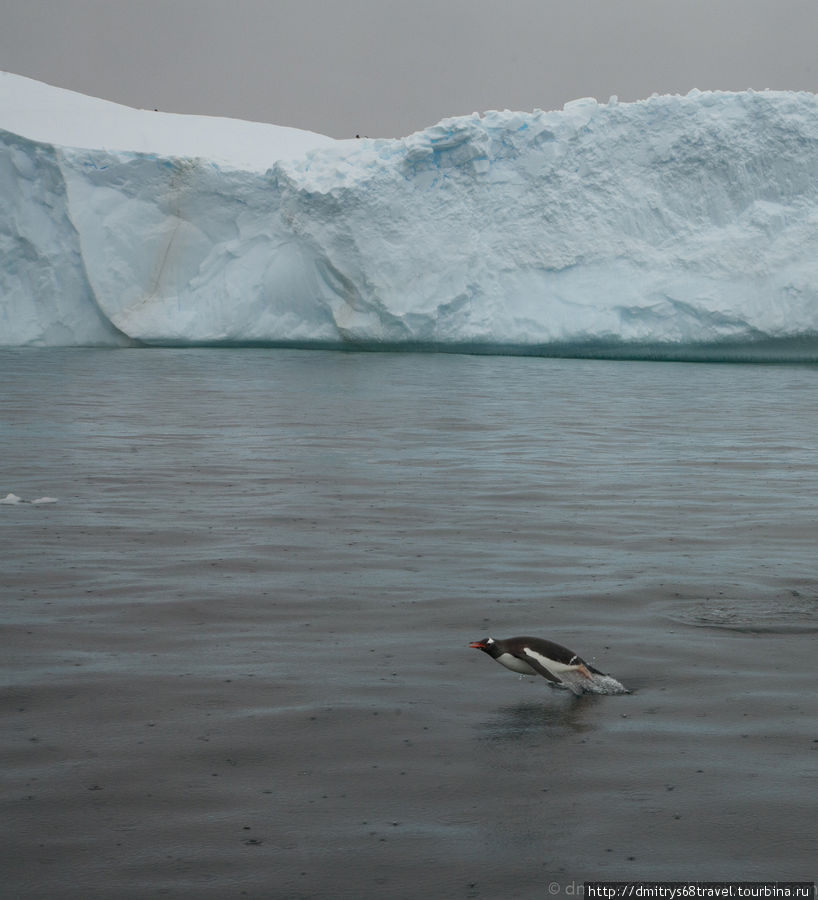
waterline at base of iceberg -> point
(788, 351)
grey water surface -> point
(235, 650)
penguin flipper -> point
(532, 658)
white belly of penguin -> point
(516, 665)
(551, 664)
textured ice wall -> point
(680, 227)
(45, 297)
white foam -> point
(597, 684)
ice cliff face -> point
(678, 227)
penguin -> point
(536, 656)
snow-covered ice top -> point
(53, 115)
(675, 227)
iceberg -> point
(676, 227)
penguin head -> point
(487, 645)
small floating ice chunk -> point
(11, 499)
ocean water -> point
(284, 555)
(423, 474)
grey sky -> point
(386, 68)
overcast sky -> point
(385, 68)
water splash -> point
(596, 684)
